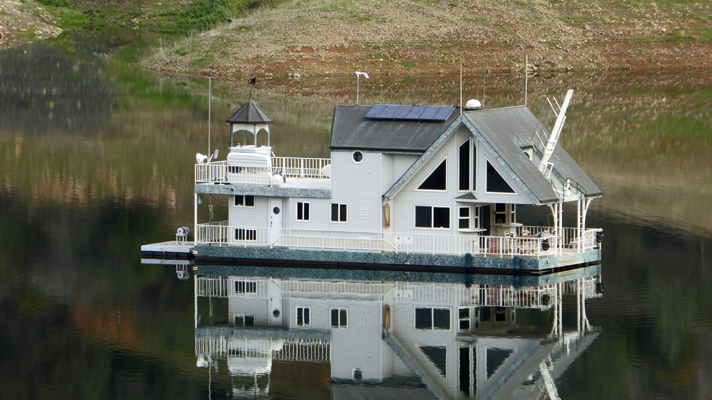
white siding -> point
(393, 167)
(357, 185)
(249, 216)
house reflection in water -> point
(431, 339)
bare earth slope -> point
(20, 23)
(402, 37)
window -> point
(437, 179)
(464, 218)
(438, 356)
(432, 318)
(432, 217)
(303, 211)
(505, 214)
(245, 287)
(303, 316)
(464, 315)
(339, 212)
(467, 166)
(495, 182)
(244, 201)
(338, 318)
(247, 235)
(245, 321)
(357, 156)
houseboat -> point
(406, 187)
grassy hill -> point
(237, 39)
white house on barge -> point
(406, 187)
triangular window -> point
(437, 180)
(438, 356)
(495, 359)
(495, 182)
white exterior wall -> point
(403, 205)
(393, 166)
(357, 345)
(357, 185)
(254, 217)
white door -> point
(275, 219)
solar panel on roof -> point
(411, 113)
(443, 113)
(429, 113)
(388, 112)
(375, 111)
(402, 112)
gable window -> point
(432, 318)
(245, 287)
(303, 318)
(339, 212)
(245, 321)
(495, 182)
(437, 179)
(339, 318)
(244, 201)
(467, 166)
(303, 211)
(432, 217)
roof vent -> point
(473, 105)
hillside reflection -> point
(494, 337)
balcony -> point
(285, 172)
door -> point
(275, 220)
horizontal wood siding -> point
(394, 166)
(357, 185)
(249, 216)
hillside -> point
(402, 37)
(384, 37)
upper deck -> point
(252, 168)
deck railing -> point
(221, 233)
(400, 243)
(309, 172)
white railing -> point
(316, 351)
(569, 236)
(308, 171)
(222, 234)
(291, 167)
(400, 243)
(301, 239)
(208, 286)
(542, 298)
(498, 296)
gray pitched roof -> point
(249, 113)
(350, 130)
(508, 130)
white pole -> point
(209, 98)
(460, 86)
(357, 87)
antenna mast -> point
(209, 101)
(526, 80)
(461, 86)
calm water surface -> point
(96, 160)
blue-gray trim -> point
(263, 191)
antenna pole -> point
(526, 80)
(357, 87)
(484, 83)
(209, 98)
(460, 86)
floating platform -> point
(172, 250)
(232, 255)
